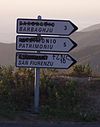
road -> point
(48, 124)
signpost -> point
(44, 26)
(44, 60)
(54, 42)
(44, 43)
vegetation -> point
(16, 89)
(60, 98)
(81, 70)
(66, 100)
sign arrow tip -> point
(74, 27)
(74, 44)
(74, 61)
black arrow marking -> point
(74, 61)
(74, 26)
(74, 44)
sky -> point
(82, 13)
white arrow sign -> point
(44, 60)
(48, 27)
(44, 43)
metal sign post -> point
(36, 90)
(37, 85)
(49, 44)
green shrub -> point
(16, 88)
(66, 101)
(59, 98)
(81, 70)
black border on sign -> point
(74, 61)
(74, 44)
(74, 26)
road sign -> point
(43, 60)
(44, 26)
(44, 43)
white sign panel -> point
(44, 60)
(44, 43)
(47, 27)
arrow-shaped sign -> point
(44, 60)
(44, 26)
(44, 43)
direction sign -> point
(44, 26)
(43, 60)
(44, 43)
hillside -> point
(86, 39)
(88, 49)
(91, 28)
(7, 54)
(89, 55)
